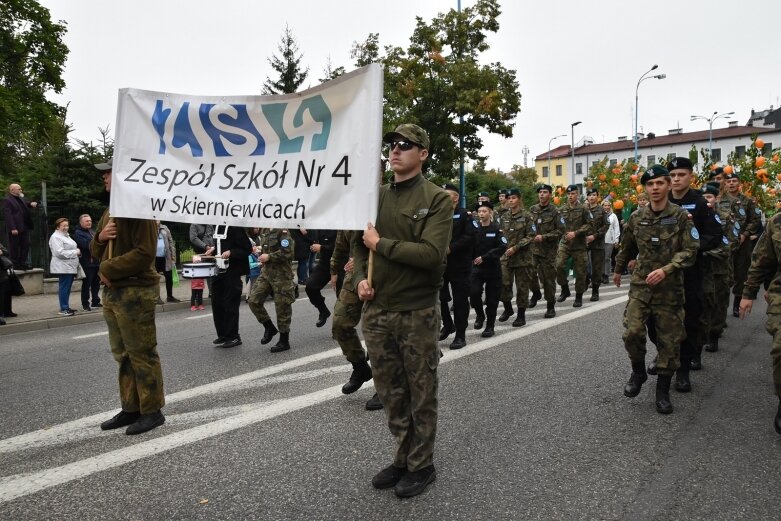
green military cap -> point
(483, 194)
(592, 191)
(543, 186)
(485, 204)
(501, 192)
(410, 132)
(654, 172)
(572, 188)
(733, 175)
(513, 191)
(449, 187)
(711, 188)
(105, 166)
(715, 172)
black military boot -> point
(695, 364)
(652, 367)
(508, 312)
(713, 344)
(520, 320)
(446, 331)
(594, 294)
(551, 312)
(536, 297)
(269, 333)
(663, 404)
(489, 329)
(736, 306)
(324, 314)
(564, 293)
(636, 380)
(459, 341)
(777, 421)
(361, 373)
(283, 344)
(578, 300)
(479, 320)
(682, 382)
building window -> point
(579, 168)
(545, 171)
(767, 149)
(613, 162)
(740, 151)
(651, 160)
(715, 154)
(558, 169)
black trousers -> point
(90, 286)
(493, 287)
(3, 286)
(19, 248)
(457, 284)
(169, 278)
(691, 347)
(226, 298)
(320, 276)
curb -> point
(86, 317)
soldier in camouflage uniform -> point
(749, 217)
(127, 249)
(664, 242)
(519, 229)
(347, 314)
(400, 320)
(577, 222)
(766, 267)
(545, 245)
(596, 241)
(276, 276)
(501, 208)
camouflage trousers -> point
(545, 269)
(774, 328)
(521, 275)
(668, 337)
(130, 317)
(404, 356)
(284, 295)
(596, 263)
(579, 261)
(715, 285)
(741, 260)
(347, 314)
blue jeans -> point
(66, 282)
(303, 270)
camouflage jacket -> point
(279, 246)
(132, 261)
(519, 230)
(765, 266)
(599, 226)
(667, 241)
(343, 251)
(548, 223)
(576, 219)
(747, 214)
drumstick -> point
(371, 269)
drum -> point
(198, 270)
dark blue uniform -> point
(456, 277)
(491, 244)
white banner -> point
(310, 159)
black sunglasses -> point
(403, 145)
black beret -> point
(592, 191)
(680, 162)
(483, 194)
(448, 186)
(572, 188)
(654, 172)
(711, 188)
(715, 172)
(501, 192)
(485, 204)
(545, 187)
(513, 191)
(733, 175)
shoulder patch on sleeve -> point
(724, 240)
(695, 233)
(757, 211)
(718, 219)
(742, 212)
(534, 228)
(504, 240)
(562, 220)
(474, 223)
(284, 243)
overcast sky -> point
(575, 60)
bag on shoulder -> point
(6, 263)
(14, 284)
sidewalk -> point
(38, 312)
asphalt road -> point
(533, 425)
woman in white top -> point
(65, 262)
(611, 238)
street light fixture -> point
(572, 128)
(710, 121)
(550, 175)
(637, 88)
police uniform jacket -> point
(414, 223)
(462, 242)
(520, 230)
(491, 244)
(703, 217)
(576, 219)
(666, 241)
(548, 223)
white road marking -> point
(91, 335)
(203, 315)
(15, 486)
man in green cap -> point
(749, 218)
(577, 222)
(518, 227)
(664, 242)
(401, 320)
(545, 245)
(596, 241)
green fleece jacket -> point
(133, 256)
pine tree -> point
(288, 65)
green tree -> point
(439, 83)
(288, 65)
(330, 72)
(32, 56)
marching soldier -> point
(749, 218)
(276, 276)
(487, 270)
(501, 209)
(323, 246)
(596, 241)
(545, 245)
(664, 242)
(576, 219)
(518, 227)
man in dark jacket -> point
(303, 240)
(323, 246)
(456, 279)
(91, 283)
(227, 286)
(19, 223)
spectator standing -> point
(3, 284)
(612, 236)
(90, 286)
(202, 241)
(165, 260)
(19, 223)
(64, 263)
(196, 294)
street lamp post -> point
(550, 176)
(637, 89)
(572, 129)
(710, 121)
